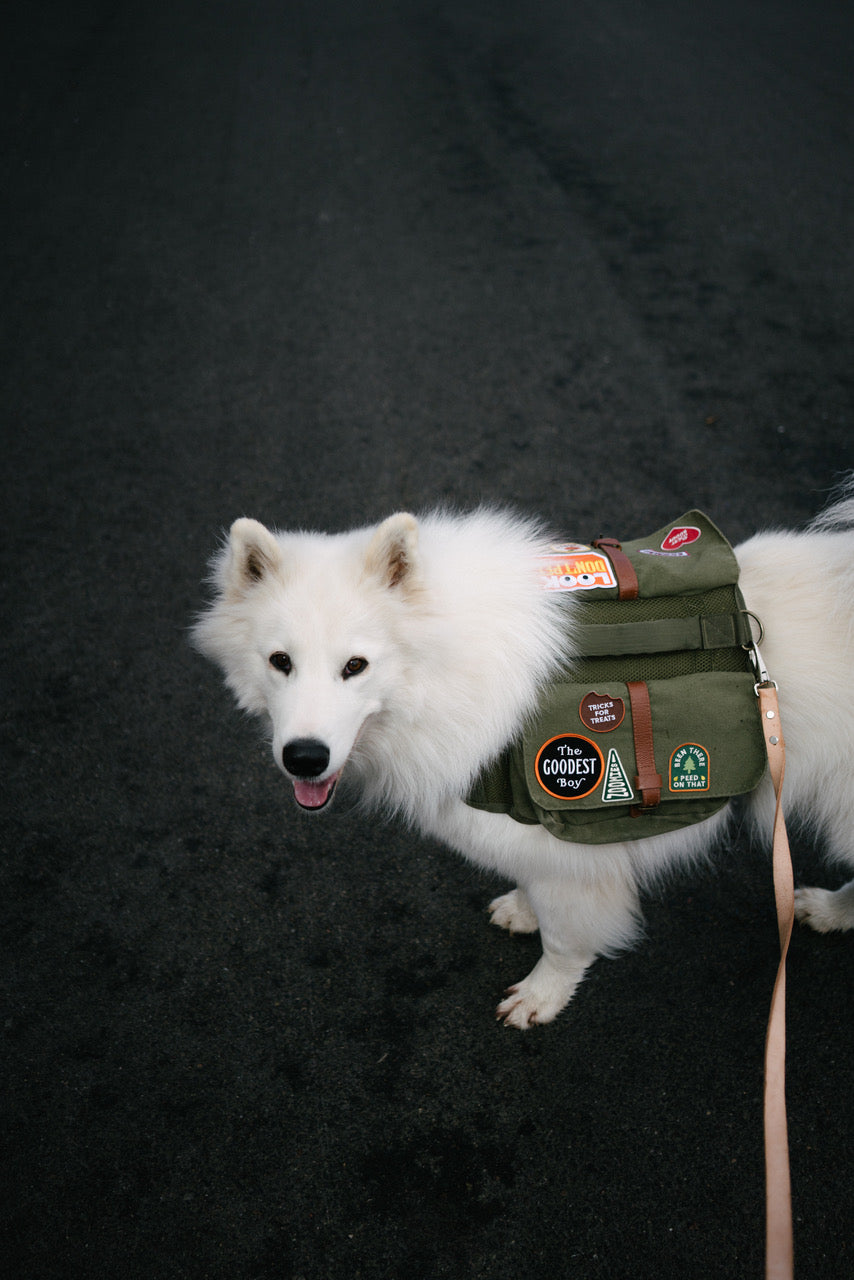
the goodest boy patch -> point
(569, 766)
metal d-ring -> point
(758, 622)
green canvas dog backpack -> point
(657, 725)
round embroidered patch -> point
(601, 714)
(569, 766)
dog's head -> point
(304, 627)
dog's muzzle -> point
(305, 759)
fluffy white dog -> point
(410, 654)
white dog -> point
(408, 655)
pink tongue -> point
(312, 795)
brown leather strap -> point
(624, 570)
(647, 780)
(779, 1247)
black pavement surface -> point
(314, 262)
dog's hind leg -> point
(829, 910)
(578, 922)
(826, 910)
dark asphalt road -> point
(312, 263)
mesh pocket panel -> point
(660, 666)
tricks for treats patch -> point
(569, 766)
(601, 713)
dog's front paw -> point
(825, 910)
(540, 997)
(513, 911)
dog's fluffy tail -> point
(840, 514)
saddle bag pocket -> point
(583, 765)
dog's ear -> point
(253, 554)
(392, 554)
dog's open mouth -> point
(314, 795)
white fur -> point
(458, 639)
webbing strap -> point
(662, 635)
(779, 1246)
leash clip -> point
(763, 680)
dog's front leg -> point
(548, 988)
(578, 922)
(513, 912)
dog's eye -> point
(282, 662)
(354, 667)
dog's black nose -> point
(305, 757)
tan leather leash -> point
(779, 1246)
